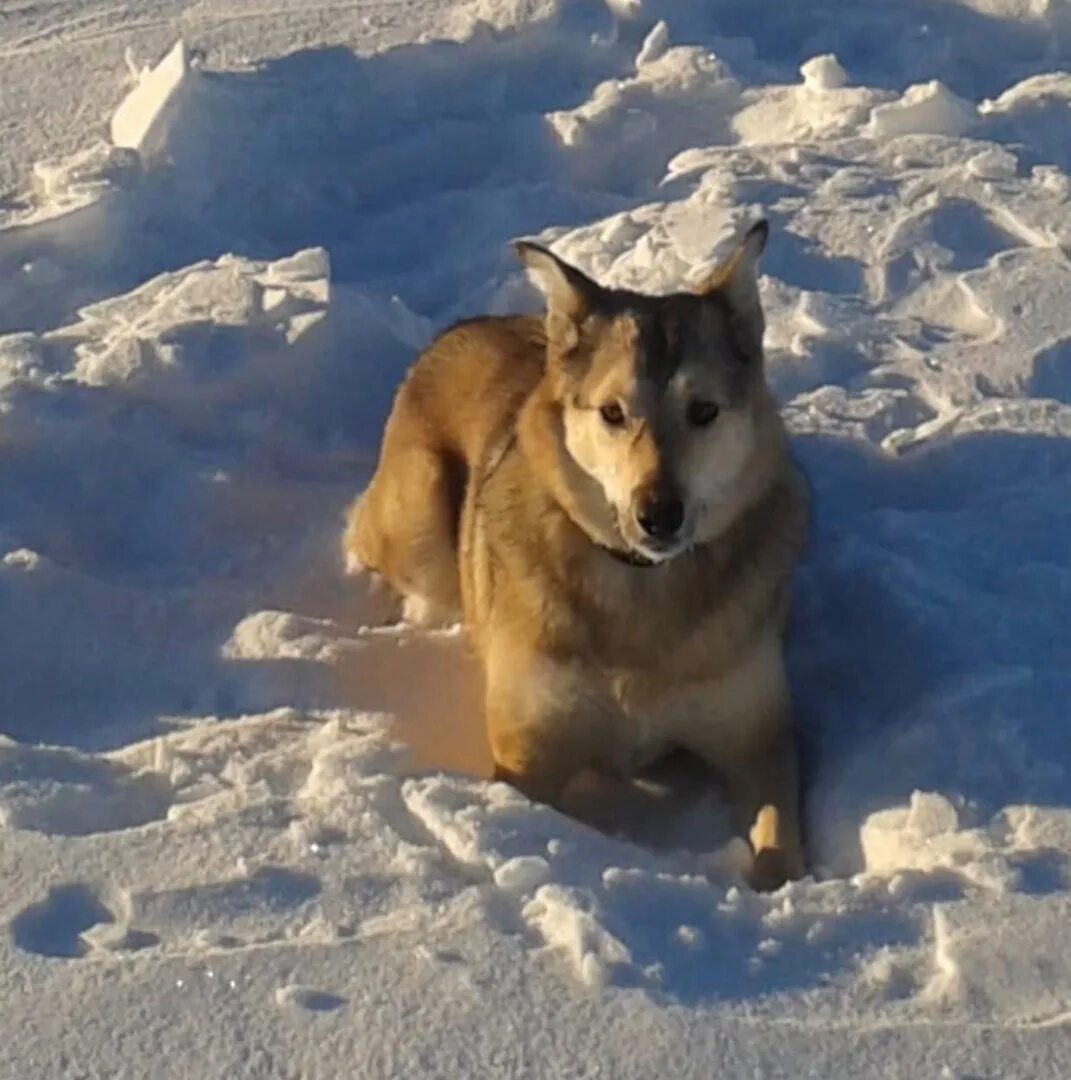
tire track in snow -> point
(67, 33)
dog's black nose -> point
(660, 516)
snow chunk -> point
(654, 45)
(1014, 9)
(208, 323)
(300, 325)
(1037, 89)
(62, 187)
(67, 793)
(625, 9)
(1014, 962)
(685, 74)
(281, 635)
(931, 814)
(925, 837)
(996, 163)
(309, 265)
(1034, 113)
(795, 113)
(22, 559)
(925, 109)
(140, 123)
(946, 987)
(467, 19)
(79, 179)
(524, 873)
(822, 107)
(823, 73)
(559, 914)
(680, 97)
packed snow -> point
(245, 825)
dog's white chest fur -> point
(718, 713)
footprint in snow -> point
(305, 997)
(72, 920)
(75, 919)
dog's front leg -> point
(543, 725)
(748, 738)
(762, 785)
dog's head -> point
(660, 396)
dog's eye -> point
(702, 413)
(612, 414)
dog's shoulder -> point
(482, 345)
(469, 384)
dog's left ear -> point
(570, 294)
(737, 280)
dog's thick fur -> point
(520, 463)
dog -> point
(605, 498)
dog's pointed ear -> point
(738, 276)
(737, 280)
(570, 294)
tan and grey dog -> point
(604, 497)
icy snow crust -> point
(242, 826)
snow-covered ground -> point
(243, 825)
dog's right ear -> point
(570, 294)
(738, 276)
(737, 280)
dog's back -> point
(462, 394)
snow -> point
(927, 109)
(245, 825)
(823, 73)
(140, 122)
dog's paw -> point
(351, 564)
(771, 868)
(424, 613)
